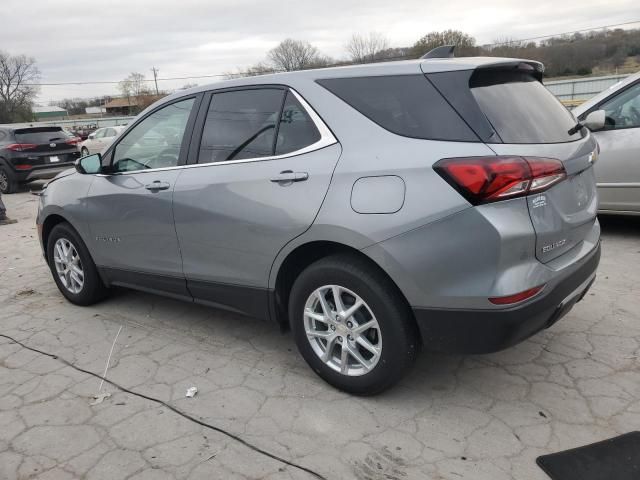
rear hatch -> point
(39, 146)
(515, 115)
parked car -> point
(100, 140)
(33, 153)
(618, 168)
(374, 209)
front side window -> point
(240, 124)
(623, 110)
(296, 129)
(155, 142)
(100, 133)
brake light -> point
(21, 147)
(23, 167)
(73, 141)
(489, 179)
(518, 297)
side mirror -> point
(595, 120)
(89, 165)
(91, 136)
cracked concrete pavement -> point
(453, 417)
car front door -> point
(130, 208)
(262, 166)
(618, 168)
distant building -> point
(131, 105)
(95, 110)
(49, 113)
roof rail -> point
(445, 51)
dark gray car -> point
(444, 203)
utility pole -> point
(155, 78)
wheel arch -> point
(49, 223)
(300, 258)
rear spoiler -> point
(536, 69)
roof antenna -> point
(445, 51)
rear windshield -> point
(520, 108)
(407, 105)
(41, 135)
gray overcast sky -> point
(86, 41)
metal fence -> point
(98, 122)
(577, 90)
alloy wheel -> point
(68, 265)
(342, 330)
(4, 181)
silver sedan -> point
(618, 168)
(99, 140)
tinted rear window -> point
(40, 136)
(520, 108)
(407, 105)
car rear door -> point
(618, 168)
(262, 166)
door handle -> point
(157, 185)
(289, 176)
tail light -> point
(490, 179)
(23, 166)
(73, 141)
(21, 147)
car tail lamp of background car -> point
(21, 147)
(490, 179)
(74, 141)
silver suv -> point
(448, 204)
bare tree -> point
(465, 44)
(18, 77)
(292, 55)
(133, 87)
(367, 48)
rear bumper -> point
(42, 173)
(485, 331)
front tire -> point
(72, 267)
(7, 183)
(84, 151)
(352, 325)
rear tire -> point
(72, 267)
(376, 358)
(7, 183)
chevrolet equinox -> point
(443, 203)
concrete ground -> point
(454, 417)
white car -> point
(100, 140)
(618, 168)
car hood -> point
(64, 173)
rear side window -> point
(296, 129)
(407, 105)
(41, 135)
(520, 108)
(240, 124)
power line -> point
(219, 75)
(560, 34)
